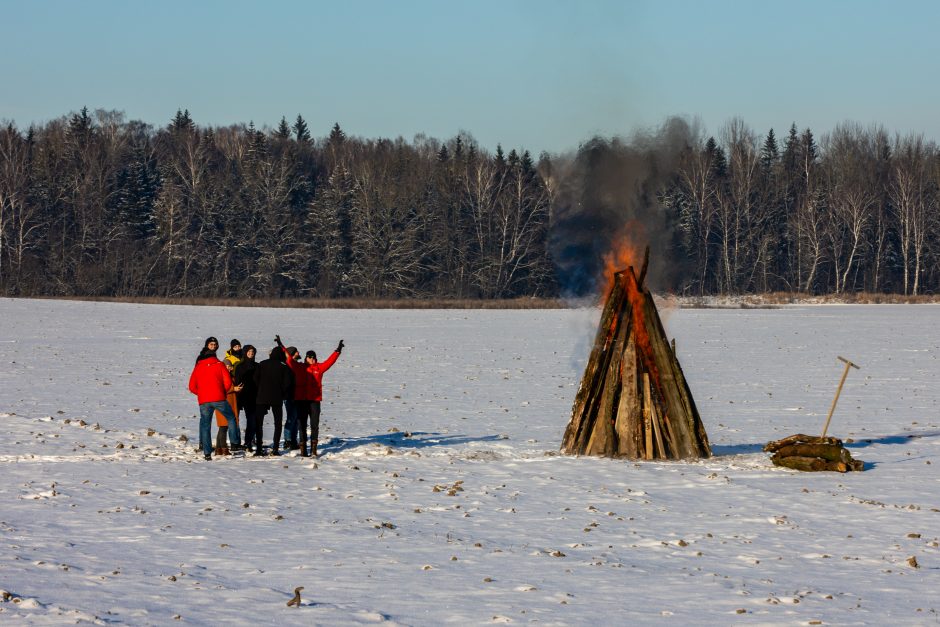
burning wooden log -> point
(634, 400)
(812, 453)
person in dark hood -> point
(248, 396)
(273, 380)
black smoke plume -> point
(611, 188)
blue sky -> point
(541, 75)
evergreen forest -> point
(93, 204)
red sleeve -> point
(192, 383)
(325, 365)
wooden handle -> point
(843, 359)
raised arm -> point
(325, 365)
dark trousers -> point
(303, 414)
(252, 433)
(278, 414)
(314, 425)
(220, 438)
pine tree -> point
(335, 147)
(283, 130)
(808, 150)
(716, 156)
(528, 166)
(329, 235)
(135, 194)
(769, 153)
(791, 153)
(301, 132)
(337, 137)
(257, 145)
(182, 121)
(500, 159)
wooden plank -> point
(647, 417)
(689, 416)
(800, 438)
(829, 452)
(643, 268)
(662, 358)
(698, 430)
(806, 464)
(581, 423)
(654, 419)
(593, 420)
(681, 419)
(604, 439)
(810, 464)
(628, 425)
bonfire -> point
(634, 400)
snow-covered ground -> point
(441, 497)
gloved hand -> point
(339, 349)
(277, 340)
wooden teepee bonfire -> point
(634, 401)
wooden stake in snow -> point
(845, 373)
(296, 600)
(634, 401)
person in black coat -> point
(273, 380)
(248, 396)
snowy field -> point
(440, 497)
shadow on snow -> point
(892, 439)
(403, 440)
(722, 450)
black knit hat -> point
(210, 339)
(235, 343)
(312, 354)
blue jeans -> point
(206, 412)
(290, 424)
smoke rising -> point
(609, 189)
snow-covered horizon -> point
(440, 496)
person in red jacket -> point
(298, 402)
(308, 392)
(210, 382)
(316, 369)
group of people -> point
(225, 388)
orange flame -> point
(625, 251)
(644, 345)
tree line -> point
(855, 211)
(92, 204)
